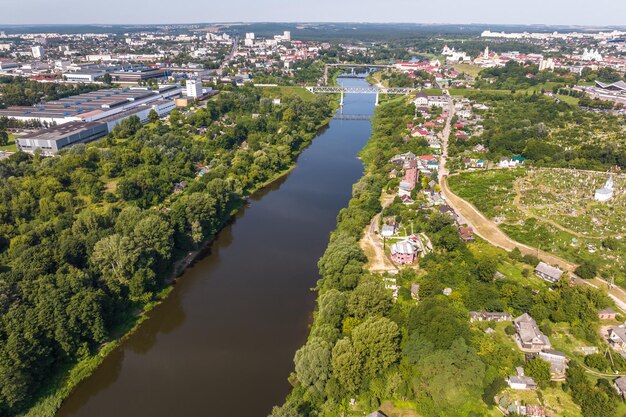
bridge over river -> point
(360, 90)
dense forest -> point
(88, 238)
(18, 91)
(364, 348)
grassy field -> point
(432, 91)
(287, 91)
(568, 99)
(469, 69)
(553, 210)
(490, 191)
(11, 145)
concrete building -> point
(83, 76)
(92, 106)
(194, 88)
(38, 52)
(51, 140)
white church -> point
(605, 193)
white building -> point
(546, 64)
(287, 35)
(591, 55)
(38, 52)
(605, 193)
(194, 88)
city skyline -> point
(558, 12)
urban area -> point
(477, 267)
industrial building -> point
(91, 106)
(135, 75)
(51, 140)
(87, 117)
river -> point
(222, 343)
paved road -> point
(228, 57)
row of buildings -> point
(90, 116)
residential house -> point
(607, 314)
(533, 410)
(179, 187)
(388, 230)
(377, 414)
(620, 386)
(421, 100)
(466, 234)
(548, 272)
(406, 199)
(617, 338)
(528, 335)
(520, 381)
(489, 316)
(404, 252)
(557, 360)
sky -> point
(556, 12)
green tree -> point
(587, 270)
(346, 366)
(459, 364)
(153, 116)
(539, 370)
(369, 297)
(4, 137)
(313, 366)
(332, 308)
(376, 341)
(107, 79)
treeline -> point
(514, 76)
(89, 237)
(18, 91)
(365, 348)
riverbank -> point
(64, 384)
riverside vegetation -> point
(88, 239)
(365, 351)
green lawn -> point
(432, 91)
(568, 99)
(11, 145)
(287, 91)
(469, 69)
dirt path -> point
(377, 260)
(490, 232)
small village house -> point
(557, 360)
(548, 272)
(466, 234)
(607, 314)
(620, 386)
(617, 338)
(528, 335)
(489, 316)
